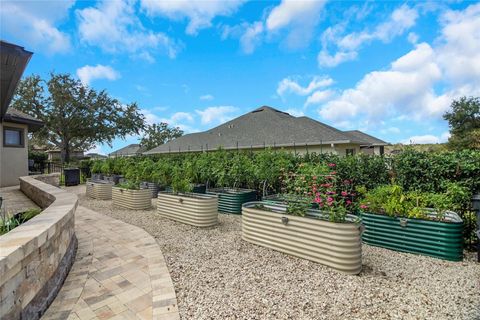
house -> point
(268, 127)
(95, 156)
(128, 151)
(55, 155)
(372, 145)
(14, 125)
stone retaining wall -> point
(35, 257)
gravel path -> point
(218, 276)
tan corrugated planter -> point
(336, 245)
(132, 199)
(101, 191)
(200, 210)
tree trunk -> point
(65, 153)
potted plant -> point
(97, 170)
(200, 210)
(415, 222)
(231, 172)
(328, 235)
(129, 195)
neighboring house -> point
(14, 125)
(133, 149)
(268, 127)
(371, 144)
(56, 155)
(95, 156)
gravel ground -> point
(218, 276)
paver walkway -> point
(119, 273)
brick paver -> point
(119, 273)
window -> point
(350, 152)
(13, 137)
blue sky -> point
(388, 68)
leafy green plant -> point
(130, 185)
(180, 182)
(298, 208)
(10, 223)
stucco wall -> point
(35, 257)
(13, 161)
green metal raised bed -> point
(440, 239)
(230, 200)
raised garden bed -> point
(336, 245)
(440, 239)
(132, 199)
(101, 190)
(230, 200)
(200, 210)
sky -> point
(390, 69)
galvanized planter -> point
(199, 210)
(285, 198)
(132, 199)
(101, 190)
(152, 186)
(230, 200)
(336, 245)
(439, 239)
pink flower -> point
(331, 165)
(333, 172)
(329, 199)
(346, 181)
(314, 177)
(349, 202)
(362, 206)
(344, 193)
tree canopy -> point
(157, 134)
(75, 115)
(464, 122)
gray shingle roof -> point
(16, 116)
(130, 150)
(261, 127)
(366, 138)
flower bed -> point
(230, 200)
(101, 190)
(440, 239)
(132, 199)
(312, 237)
(198, 210)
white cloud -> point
(428, 138)
(297, 18)
(96, 149)
(422, 83)
(290, 85)
(207, 97)
(114, 27)
(179, 116)
(460, 49)
(300, 17)
(295, 112)
(251, 37)
(87, 73)
(412, 77)
(319, 97)
(35, 24)
(175, 120)
(412, 38)
(218, 114)
(400, 20)
(199, 13)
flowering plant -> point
(319, 184)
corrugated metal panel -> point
(194, 209)
(101, 191)
(336, 245)
(230, 200)
(132, 199)
(432, 238)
